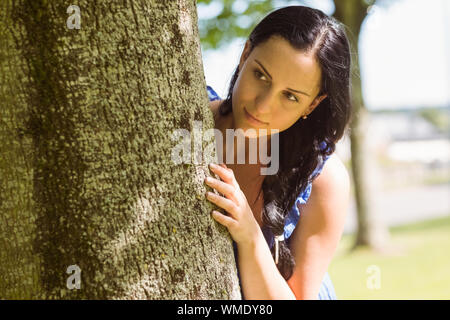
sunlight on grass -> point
(415, 266)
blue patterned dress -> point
(326, 291)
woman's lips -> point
(253, 119)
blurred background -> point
(396, 240)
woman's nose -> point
(265, 101)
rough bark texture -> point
(371, 232)
(85, 141)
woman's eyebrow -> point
(298, 91)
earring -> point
(304, 117)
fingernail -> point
(212, 165)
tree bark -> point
(371, 231)
(86, 176)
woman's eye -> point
(294, 98)
(259, 75)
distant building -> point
(408, 137)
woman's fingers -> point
(224, 188)
(224, 220)
(224, 173)
(222, 202)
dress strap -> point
(212, 95)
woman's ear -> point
(314, 104)
(245, 54)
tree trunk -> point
(89, 195)
(371, 231)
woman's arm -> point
(259, 275)
(260, 278)
(319, 229)
(313, 241)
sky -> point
(404, 54)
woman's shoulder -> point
(334, 174)
(214, 105)
(332, 185)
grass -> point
(415, 266)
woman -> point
(293, 76)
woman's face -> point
(277, 84)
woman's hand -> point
(240, 221)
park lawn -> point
(416, 266)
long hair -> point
(308, 30)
